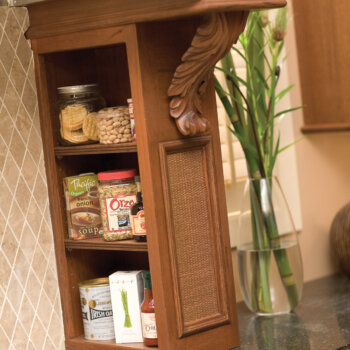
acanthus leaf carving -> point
(213, 39)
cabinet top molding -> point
(54, 17)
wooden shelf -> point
(96, 148)
(325, 127)
(99, 244)
(80, 342)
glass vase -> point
(269, 259)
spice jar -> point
(117, 192)
(77, 106)
(114, 125)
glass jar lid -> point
(75, 89)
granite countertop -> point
(321, 321)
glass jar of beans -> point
(114, 125)
(117, 192)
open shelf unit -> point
(132, 49)
(80, 260)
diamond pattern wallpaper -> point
(30, 310)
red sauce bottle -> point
(148, 317)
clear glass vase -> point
(269, 259)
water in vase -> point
(253, 264)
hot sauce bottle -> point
(137, 216)
(148, 317)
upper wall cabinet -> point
(322, 32)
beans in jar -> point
(117, 192)
(114, 125)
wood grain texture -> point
(326, 127)
(99, 244)
(322, 35)
(50, 18)
(95, 149)
(80, 343)
(212, 41)
(158, 52)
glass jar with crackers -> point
(77, 112)
(114, 125)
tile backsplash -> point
(30, 309)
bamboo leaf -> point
(291, 144)
(288, 111)
(235, 77)
(283, 93)
(240, 53)
(261, 77)
(224, 99)
(274, 155)
(247, 147)
(280, 48)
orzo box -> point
(83, 207)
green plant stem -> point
(268, 221)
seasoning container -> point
(77, 106)
(132, 119)
(137, 216)
(148, 316)
(96, 307)
(117, 192)
(114, 125)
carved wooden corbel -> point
(212, 41)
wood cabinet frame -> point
(182, 258)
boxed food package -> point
(83, 206)
(127, 295)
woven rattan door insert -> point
(194, 234)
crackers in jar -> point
(77, 117)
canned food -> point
(96, 309)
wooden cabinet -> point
(129, 52)
(322, 35)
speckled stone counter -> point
(320, 322)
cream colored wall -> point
(30, 310)
(323, 168)
(324, 181)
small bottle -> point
(148, 317)
(137, 216)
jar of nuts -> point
(77, 106)
(114, 125)
(117, 192)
